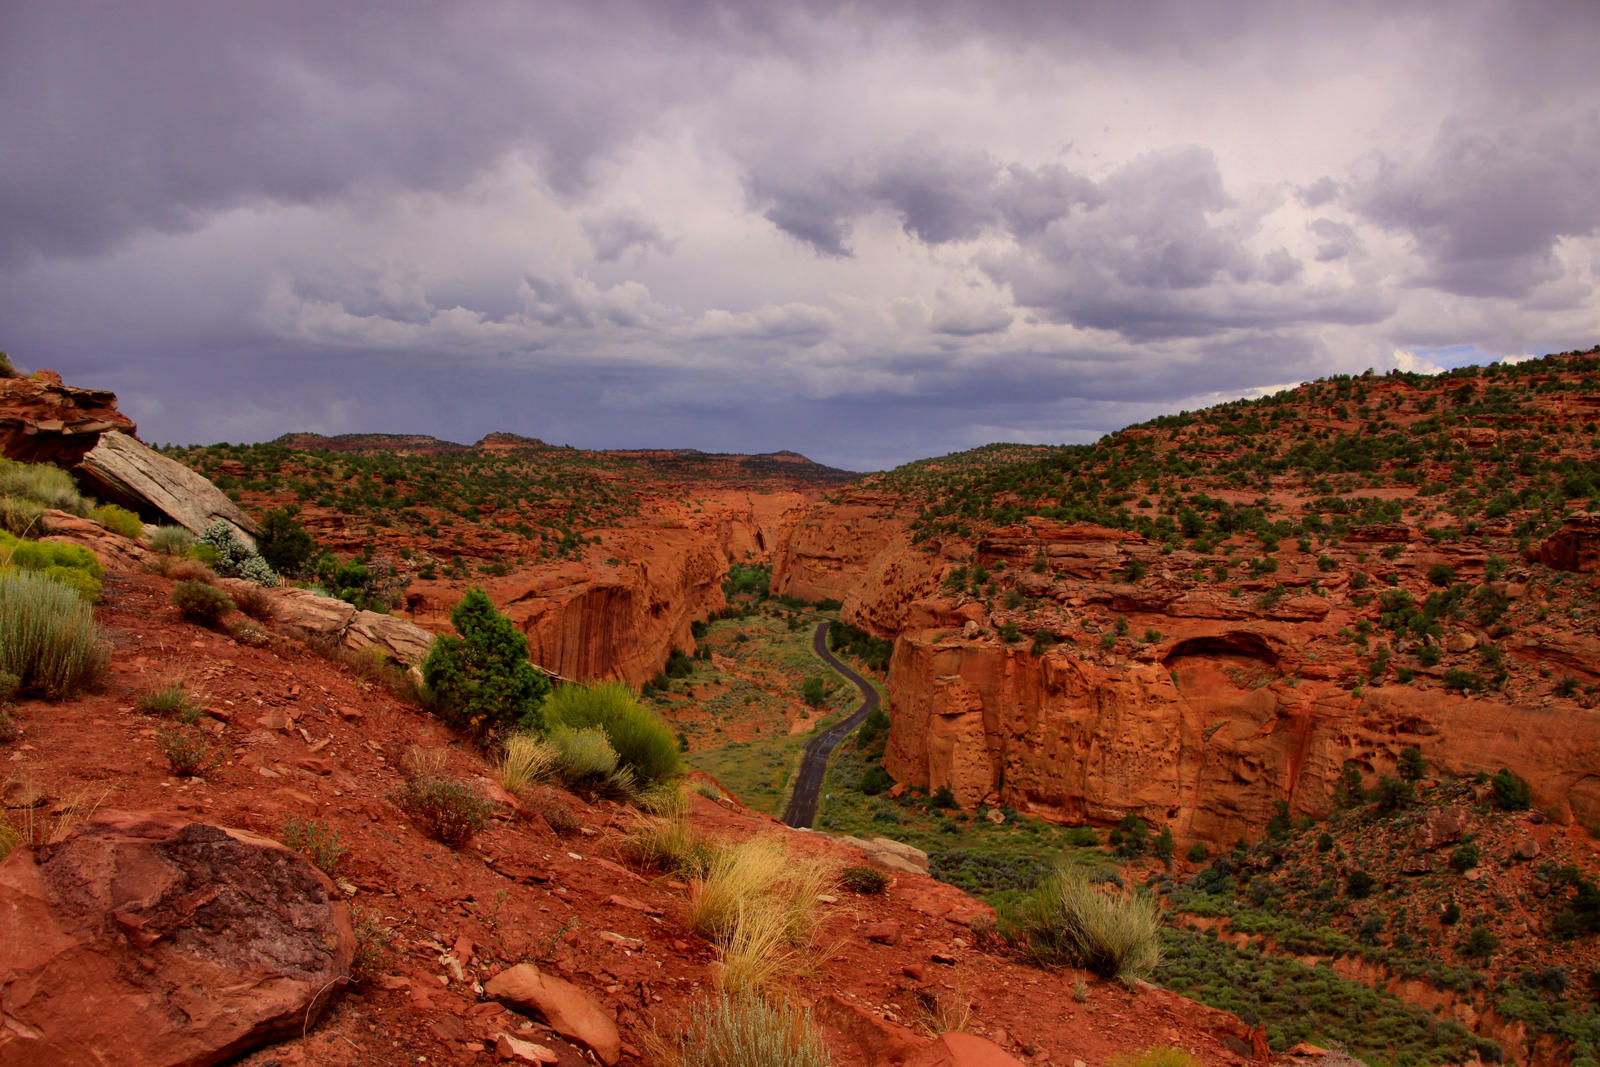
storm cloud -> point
(868, 232)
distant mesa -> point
(368, 442)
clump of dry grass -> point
(669, 843)
(745, 1031)
(31, 826)
(760, 904)
(525, 760)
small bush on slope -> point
(746, 1031)
(43, 484)
(1067, 920)
(52, 645)
(118, 520)
(480, 679)
(642, 741)
(448, 811)
(202, 604)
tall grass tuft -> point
(49, 486)
(171, 540)
(19, 515)
(1066, 920)
(755, 878)
(671, 844)
(586, 760)
(746, 1031)
(51, 644)
(31, 826)
(642, 741)
(524, 760)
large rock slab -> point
(152, 939)
(341, 623)
(126, 471)
(572, 1012)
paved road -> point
(808, 785)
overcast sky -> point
(868, 232)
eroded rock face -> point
(43, 421)
(1205, 738)
(123, 470)
(152, 939)
(1574, 547)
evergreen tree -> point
(482, 680)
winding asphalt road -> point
(802, 809)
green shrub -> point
(318, 842)
(19, 515)
(171, 702)
(1465, 857)
(72, 565)
(745, 1031)
(481, 680)
(449, 811)
(202, 604)
(641, 740)
(51, 644)
(172, 541)
(814, 691)
(1197, 853)
(1511, 791)
(118, 520)
(188, 752)
(1067, 920)
(1159, 1056)
(283, 542)
(48, 486)
(862, 879)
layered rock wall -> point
(620, 611)
(1206, 738)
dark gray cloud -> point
(866, 231)
(938, 193)
(1487, 207)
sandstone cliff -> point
(621, 610)
(43, 421)
(1207, 735)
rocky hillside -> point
(541, 939)
(604, 559)
(1205, 615)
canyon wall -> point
(620, 610)
(1206, 736)
(1228, 705)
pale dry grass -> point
(671, 844)
(743, 1031)
(760, 904)
(31, 826)
(419, 762)
(524, 761)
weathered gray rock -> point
(887, 854)
(152, 939)
(126, 471)
(400, 641)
